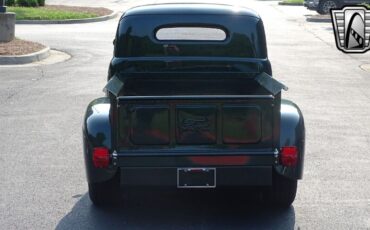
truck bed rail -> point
(194, 97)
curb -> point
(313, 19)
(290, 4)
(70, 21)
(25, 59)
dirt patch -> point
(99, 11)
(19, 47)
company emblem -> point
(195, 125)
(351, 27)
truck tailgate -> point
(175, 122)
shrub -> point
(41, 2)
(10, 3)
(28, 3)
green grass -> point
(40, 13)
(293, 1)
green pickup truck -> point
(190, 104)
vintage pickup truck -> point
(190, 104)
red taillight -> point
(289, 156)
(100, 157)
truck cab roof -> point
(191, 9)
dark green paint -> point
(206, 98)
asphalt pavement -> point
(42, 179)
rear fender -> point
(97, 132)
(292, 133)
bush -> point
(28, 3)
(10, 3)
(41, 2)
(25, 3)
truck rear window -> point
(187, 33)
(171, 35)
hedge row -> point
(25, 3)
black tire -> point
(283, 191)
(105, 193)
(325, 6)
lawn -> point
(45, 13)
(293, 1)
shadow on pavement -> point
(180, 210)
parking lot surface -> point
(43, 183)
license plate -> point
(196, 178)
